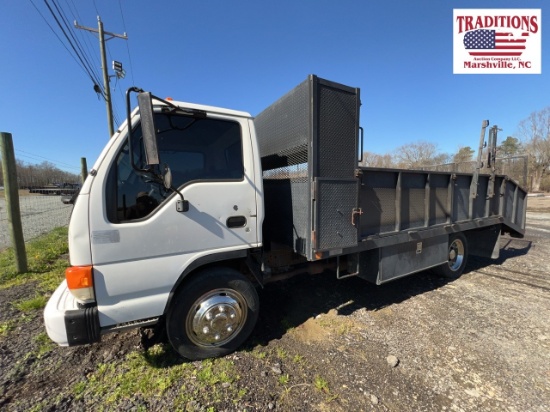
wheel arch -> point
(233, 259)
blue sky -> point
(244, 55)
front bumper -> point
(69, 323)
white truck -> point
(191, 208)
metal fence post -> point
(11, 190)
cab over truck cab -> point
(139, 254)
(168, 228)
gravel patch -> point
(39, 214)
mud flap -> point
(484, 242)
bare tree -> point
(375, 160)
(535, 130)
(415, 155)
(43, 174)
(441, 158)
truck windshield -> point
(195, 149)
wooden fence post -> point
(83, 170)
(11, 190)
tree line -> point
(42, 174)
(528, 151)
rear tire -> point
(213, 314)
(458, 256)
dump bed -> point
(396, 201)
(320, 203)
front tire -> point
(213, 314)
(458, 256)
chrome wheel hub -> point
(216, 317)
(456, 254)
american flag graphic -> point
(484, 42)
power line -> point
(91, 55)
(81, 64)
(35, 156)
(96, 10)
(74, 40)
(127, 43)
(75, 48)
(70, 42)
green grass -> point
(150, 374)
(46, 270)
(44, 344)
(6, 327)
(113, 382)
(213, 372)
(35, 303)
(284, 379)
(321, 384)
(281, 353)
(45, 263)
(298, 359)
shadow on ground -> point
(288, 304)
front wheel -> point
(213, 314)
(458, 255)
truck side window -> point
(195, 149)
(200, 148)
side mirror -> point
(148, 128)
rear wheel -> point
(213, 314)
(458, 255)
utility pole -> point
(102, 51)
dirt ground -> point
(479, 343)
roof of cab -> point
(209, 109)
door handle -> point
(236, 221)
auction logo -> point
(497, 41)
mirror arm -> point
(129, 126)
(182, 205)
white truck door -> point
(140, 243)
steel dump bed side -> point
(409, 201)
(320, 203)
